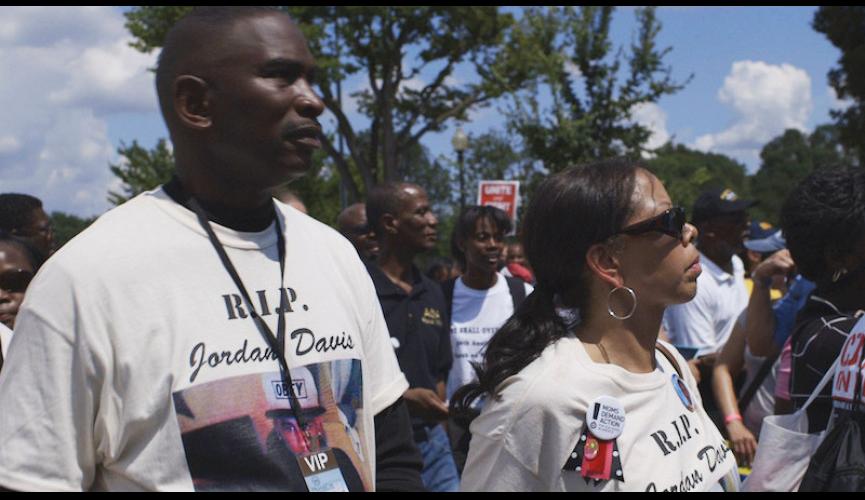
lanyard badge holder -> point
(319, 467)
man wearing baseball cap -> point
(707, 321)
(763, 240)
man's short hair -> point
(185, 36)
(342, 219)
(33, 255)
(386, 198)
(16, 210)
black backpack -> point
(839, 462)
(516, 286)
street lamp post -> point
(461, 142)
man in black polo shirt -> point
(414, 309)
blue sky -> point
(72, 90)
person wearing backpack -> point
(824, 222)
(479, 301)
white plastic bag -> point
(785, 447)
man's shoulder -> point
(310, 225)
(116, 234)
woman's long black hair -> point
(568, 213)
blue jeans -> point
(439, 470)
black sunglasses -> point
(15, 280)
(670, 222)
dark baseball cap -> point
(718, 201)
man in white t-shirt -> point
(151, 349)
(707, 321)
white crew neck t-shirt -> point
(136, 365)
(475, 316)
(707, 321)
(525, 436)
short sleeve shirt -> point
(137, 366)
(817, 339)
(418, 326)
(707, 321)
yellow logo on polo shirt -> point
(432, 316)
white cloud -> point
(651, 116)
(767, 99)
(65, 71)
(9, 144)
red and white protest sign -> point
(849, 365)
(501, 194)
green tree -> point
(141, 169)
(377, 41)
(566, 53)
(844, 26)
(686, 172)
(789, 158)
(66, 226)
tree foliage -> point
(67, 226)
(789, 158)
(566, 53)
(844, 26)
(686, 172)
(141, 169)
(375, 41)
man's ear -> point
(192, 102)
(604, 264)
(389, 224)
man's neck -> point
(397, 265)
(239, 218)
(479, 280)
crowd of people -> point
(209, 335)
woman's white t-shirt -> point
(526, 434)
(475, 316)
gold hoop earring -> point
(633, 299)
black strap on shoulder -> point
(448, 290)
(517, 288)
(757, 381)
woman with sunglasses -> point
(18, 263)
(580, 394)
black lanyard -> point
(266, 332)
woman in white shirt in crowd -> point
(479, 301)
(580, 394)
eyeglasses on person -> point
(15, 280)
(670, 222)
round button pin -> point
(606, 418)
